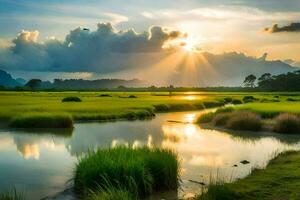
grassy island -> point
(122, 171)
(277, 117)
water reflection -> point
(43, 163)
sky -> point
(34, 32)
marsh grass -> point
(110, 194)
(236, 101)
(209, 116)
(71, 99)
(218, 191)
(221, 119)
(12, 195)
(206, 117)
(104, 95)
(109, 109)
(291, 99)
(177, 107)
(228, 99)
(138, 171)
(279, 180)
(225, 110)
(41, 120)
(249, 99)
(287, 123)
(244, 120)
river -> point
(42, 163)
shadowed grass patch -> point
(221, 119)
(138, 171)
(236, 101)
(41, 120)
(71, 99)
(244, 120)
(287, 123)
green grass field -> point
(117, 104)
(271, 109)
(94, 107)
(280, 180)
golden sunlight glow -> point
(189, 44)
(189, 97)
(30, 151)
(190, 118)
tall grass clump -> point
(236, 101)
(249, 99)
(225, 110)
(244, 120)
(206, 117)
(111, 194)
(71, 99)
(161, 108)
(228, 99)
(287, 123)
(12, 195)
(41, 120)
(218, 191)
(139, 171)
(221, 119)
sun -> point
(189, 45)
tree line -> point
(268, 82)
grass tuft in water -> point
(206, 117)
(41, 120)
(12, 195)
(138, 171)
(218, 191)
(111, 193)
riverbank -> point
(279, 180)
(32, 109)
(110, 106)
(285, 119)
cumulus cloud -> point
(293, 27)
(102, 50)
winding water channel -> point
(41, 164)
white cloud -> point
(104, 50)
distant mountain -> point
(228, 69)
(95, 84)
(7, 80)
(21, 81)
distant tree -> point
(282, 82)
(152, 87)
(264, 80)
(265, 77)
(171, 88)
(250, 80)
(33, 83)
(121, 87)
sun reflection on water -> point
(190, 97)
(30, 151)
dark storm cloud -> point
(293, 27)
(103, 50)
